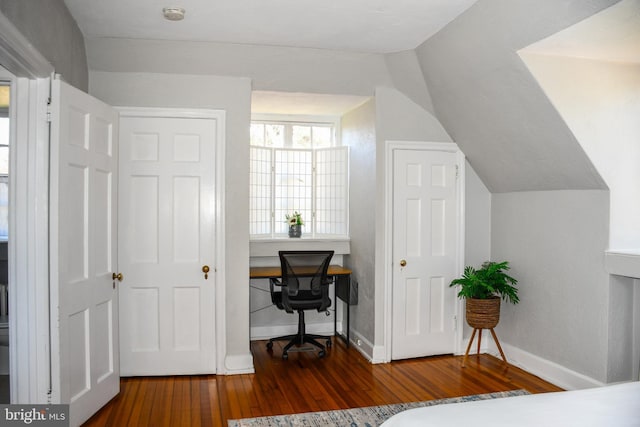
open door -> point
(83, 251)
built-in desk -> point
(342, 278)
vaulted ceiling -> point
(378, 26)
(466, 51)
(491, 104)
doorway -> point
(425, 193)
(5, 125)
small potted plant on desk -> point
(482, 289)
(295, 224)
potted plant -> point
(295, 224)
(483, 288)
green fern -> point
(488, 281)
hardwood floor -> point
(304, 383)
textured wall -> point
(491, 105)
(49, 26)
(270, 68)
(600, 102)
(359, 133)
(234, 96)
(555, 242)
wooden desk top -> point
(269, 272)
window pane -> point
(321, 137)
(301, 137)
(331, 190)
(257, 134)
(274, 135)
(260, 191)
(4, 145)
(293, 188)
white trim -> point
(623, 263)
(239, 364)
(270, 247)
(220, 236)
(545, 369)
(384, 354)
(28, 217)
(28, 246)
(18, 55)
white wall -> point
(555, 242)
(51, 29)
(398, 119)
(477, 247)
(270, 68)
(359, 134)
(491, 105)
(234, 96)
(600, 101)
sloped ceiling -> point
(492, 106)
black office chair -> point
(304, 286)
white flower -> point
(294, 219)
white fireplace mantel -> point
(623, 263)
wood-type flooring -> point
(305, 383)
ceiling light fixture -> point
(173, 13)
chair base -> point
(300, 338)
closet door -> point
(425, 250)
(167, 241)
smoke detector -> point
(173, 13)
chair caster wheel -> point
(329, 343)
(321, 354)
(285, 356)
(269, 345)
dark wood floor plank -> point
(343, 379)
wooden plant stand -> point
(473, 335)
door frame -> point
(390, 148)
(220, 197)
(28, 217)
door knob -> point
(403, 262)
(117, 277)
(205, 270)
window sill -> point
(270, 247)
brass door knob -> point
(117, 277)
(205, 270)
(403, 262)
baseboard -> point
(545, 369)
(364, 346)
(266, 332)
(238, 364)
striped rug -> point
(370, 416)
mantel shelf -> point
(623, 263)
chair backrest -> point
(305, 271)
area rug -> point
(370, 416)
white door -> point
(166, 237)
(83, 251)
(425, 236)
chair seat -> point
(303, 301)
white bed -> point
(610, 406)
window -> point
(297, 166)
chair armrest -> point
(272, 283)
